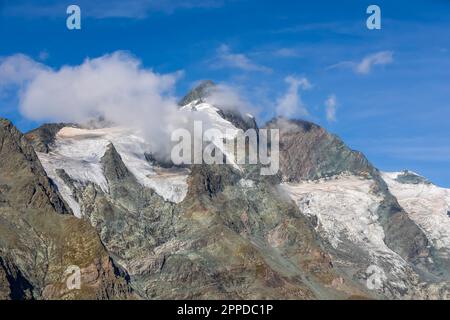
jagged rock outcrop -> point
(407, 177)
(23, 181)
(198, 93)
(13, 285)
(240, 121)
(39, 240)
(309, 152)
(41, 138)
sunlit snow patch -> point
(426, 204)
(346, 211)
(213, 120)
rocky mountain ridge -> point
(328, 226)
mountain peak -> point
(410, 177)
(231, 114)
(25, 184)
(198, 93)
(42, 137)
(294, 125)
(308, 151)
(4, 122)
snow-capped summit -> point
(78, 151)
(198, 99)
(317, 229)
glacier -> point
(79, 153)
(426, 204)
(346, 210)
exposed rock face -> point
(198, 93)
(243, 122)
(38, 242)
(44, 136)
(23, 182)
(407, 177)
(13, 285)
(264, 246)
(309, 152)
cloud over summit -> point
(115, 87)
(290, 103)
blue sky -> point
(390, 88)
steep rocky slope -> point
(40, 239)
(427, 205)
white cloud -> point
(331, 105)
(17, 69)
(291, 103)
(379, 58)
(115, 86)
(227, 97)
(287, 53)
(228, 59)
(366, 65)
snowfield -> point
(79, 153)
(345, 208)
(426, 204)
(213, 120)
